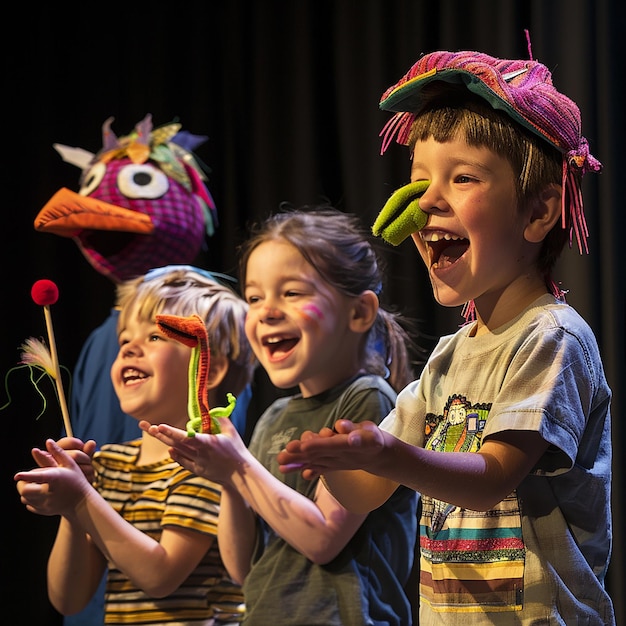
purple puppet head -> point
(142, 201)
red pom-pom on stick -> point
(44, 293)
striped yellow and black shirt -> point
(151, 497)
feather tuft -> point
(35, 352)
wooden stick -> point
(57, 372)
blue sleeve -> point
(95, 411)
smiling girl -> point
(312, 281)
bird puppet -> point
(142, 201)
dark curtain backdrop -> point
(287, 92)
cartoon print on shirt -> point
(459, 429)
(280, 440)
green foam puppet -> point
(401, 216)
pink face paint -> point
(311, 312)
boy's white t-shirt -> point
(542, 553)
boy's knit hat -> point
(523, 90)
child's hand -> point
(57, 486)
(215, 457)
(82, 454)
(350, 445)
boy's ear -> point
(545, 212)
(218, 368)
(364, 312)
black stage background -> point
(287, 92)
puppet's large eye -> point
(142, 181)
(92, 179)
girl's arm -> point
(156, 567)
(237, 536)
(318, 529)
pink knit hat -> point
(523, 90)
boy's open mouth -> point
(444, 250)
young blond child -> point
(507, 433)
(150, 521)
